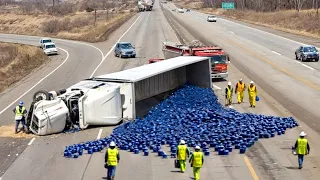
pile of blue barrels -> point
(193, 114)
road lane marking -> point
(82, 43)
(65, 60)
(252, 171)
(99, 134)
(232, 32)
(304, 81)
(305, 65)
(215, 86)
(276, 53)
(31, 141)
(104, 58)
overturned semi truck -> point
(108, 99)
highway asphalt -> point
(274, 74)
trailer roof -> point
(148, 70)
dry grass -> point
(66, 22)
(17, 61)
(304, 23)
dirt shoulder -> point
(304, 23)
(77, 20)
(16, 61)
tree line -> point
(266, 5)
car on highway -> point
(307, 53)
(180, 10)
(50, 48)
(43, 41)
(212, 18)
(124, 49)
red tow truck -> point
(219, 58)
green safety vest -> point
(19, 114)
(182, 150)
(302, 146)
(112, 157)
(197, 159)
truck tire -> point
(41, 95)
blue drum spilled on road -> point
(194, 115)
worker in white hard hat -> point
(252, 91)
(228, 92)
(196, 161)
(302, 148)
(240, 88)
(182, 155)
(20, 113)
(112, 159)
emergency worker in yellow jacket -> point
(302, 148)
(240, 88)
(252, 91)
(228, 92)
(112, 159)
(196, 161)
(182, 155)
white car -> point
(50, 48)
(212, 18)
(43, 41)
(180, 10)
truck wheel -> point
(41, 95)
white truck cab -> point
(83, 104)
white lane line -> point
(31, 141)
(65, 60)
(104, 58)
(99, 134)
(215, 86)
(276, 53)
(232, 32)
(305, 65)
(82, 43)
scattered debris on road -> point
(195, 115)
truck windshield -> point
(50, 46)
(217, 59)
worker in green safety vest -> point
(302, 147)
(196, 161)
(112, 159)
(182, 155)
(20, 112)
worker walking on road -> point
(240, 88)
(112, 159)
(302, 147)
(20, 112)
(196, 161)
(182, 154)
(252, 91)
(228, 92)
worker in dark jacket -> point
(302, 147)
(228, 93)
(112, 159)
(20, 112)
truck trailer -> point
(219, 58)
(111, 98)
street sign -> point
(228, 5)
